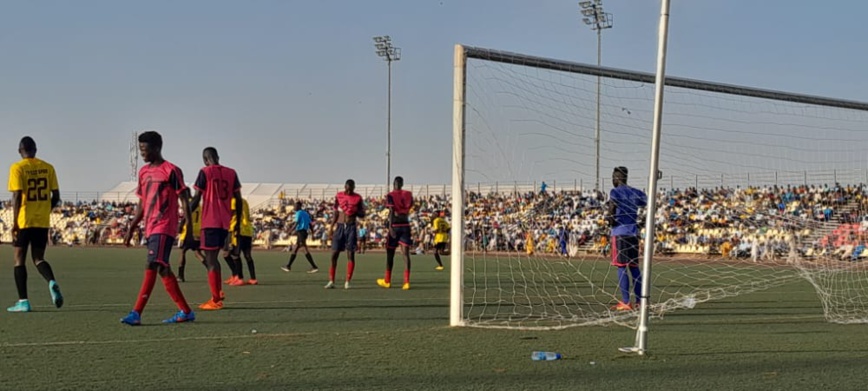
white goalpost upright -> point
(456, 285)
(650, 218)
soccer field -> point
(290, 333)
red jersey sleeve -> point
(176, 180)
(201, 181)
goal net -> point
(756, 189)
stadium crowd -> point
(755, 222)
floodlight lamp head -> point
(378, 39)
(585, 4)
(598, 3)
(588, 21)
(381, 53)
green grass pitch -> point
(368, 338)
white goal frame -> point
(463, 53)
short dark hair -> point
(151, 138)
(399, 179)
(350, 182)
(211, 152)
(621, 170)
(28, 144)
(298, 204)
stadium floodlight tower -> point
(599, 20)
(389, 53)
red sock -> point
(215, 283)
(145, 293)
(407, 276)
(171, 284)
(388, 276)
(332, 273)
(350, 266)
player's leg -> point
(438, 247)
(288, 267)
(313, 267)
(635, 273)
(352, 236)
(235, 259)
(170, 282)
(247, 251)
(148, 281)
(338, 245)
(20, 244)
(212, 241)
(405, 240)
(391, 244)
(227, 257)
(38, 242)
(182, 263)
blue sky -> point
(291, 91)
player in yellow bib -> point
(35, 193)
(191, 245)
(242, 244)
(441, 237)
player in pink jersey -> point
(160, 186)
(348, 207)
(399, 202)
(215, 186)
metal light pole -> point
(384, 47)
(598, 20)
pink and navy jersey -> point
(159, 187)
(400, 201)
(218, 185)
(350, 204)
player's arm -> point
(201, 183)
(55, 189)
(140, 214)
(16, 186)
(16, 210)
(335, 215)
(610, 215)
(239, 205)
(391, 205)
(186, 222)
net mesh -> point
(754, 193)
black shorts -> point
(245, 243)
(160, 248)
(402, 237)
(301, 238)
(441, 246)
(191, 245)
(345, 237)
(625, 251)
(33, 237)
(213, 238)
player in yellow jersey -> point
(35, 193)
(441, 237)
(242, 243)
(191, 245)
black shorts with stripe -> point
(160, 248)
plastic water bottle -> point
(545, 356)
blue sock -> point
(637, 282)
(624, 284)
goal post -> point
(527, 119)
(456, 284)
